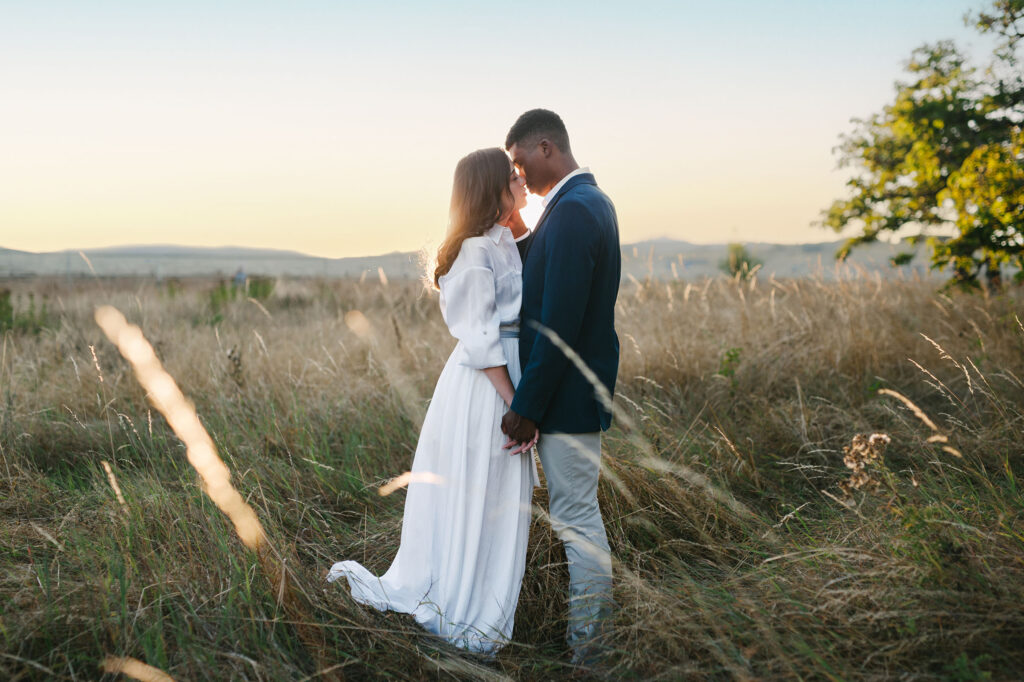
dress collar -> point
(496, 232)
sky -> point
(333, 128)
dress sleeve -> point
(472, 315)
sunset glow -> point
(334, 130)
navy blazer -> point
(570, 281)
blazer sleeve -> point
(571, 246)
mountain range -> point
(657, 258)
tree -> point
(945, 158)
(987, 194)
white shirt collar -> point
(554, 190)
(496, 232)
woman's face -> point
(517, 188)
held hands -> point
(523, 447)
(522, 432)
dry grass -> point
(736, 556)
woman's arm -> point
(501, 381)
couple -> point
(462, 557)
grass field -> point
(743, 549)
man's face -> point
(531, 162)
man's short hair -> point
(535, 125)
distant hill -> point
(657, 258)
(668, 259)
(175, 251)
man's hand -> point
(517, 427)
(522, 432)
(525, 446)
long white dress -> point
(467, 510)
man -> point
(571, 273)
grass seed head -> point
(864, 456)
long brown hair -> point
(481, 180)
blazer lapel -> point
(579, 179)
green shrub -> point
(30, 321)
(261, 288)
(739, 261)
(220, 296)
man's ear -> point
(545, 148)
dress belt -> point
(508, 330)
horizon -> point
(665, 259)
(242, 247)
(333, 130)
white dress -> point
(467, 510)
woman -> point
(467, 511)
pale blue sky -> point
(333, 128)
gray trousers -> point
(572, 463)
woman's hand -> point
(522, 432)
(516, 225)
(528, 445)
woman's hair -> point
(481, 180)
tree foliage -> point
(945, 160)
